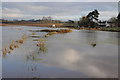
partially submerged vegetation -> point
(41, 45)
(13, 45)
(33, 33)
(35, 36)
(51, 32)
(41, 41)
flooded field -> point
(79, 54)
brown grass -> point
(5, 51)
(20, 41)
(64, 31)
(11, 47)
(34, 24)
(6, 25)
(52, 32)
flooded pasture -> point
(79, 54)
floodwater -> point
(79, 54)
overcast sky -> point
(60, 0)
(57, 10)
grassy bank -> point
(112, 29)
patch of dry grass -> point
(52, 32)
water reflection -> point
(33, 56)
(32, 68)
(91, 37)
(89, 65)
(77, 59)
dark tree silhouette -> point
(118, 20)
(118, 16)
(93, 15)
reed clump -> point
(33, 33)
(93, 44)
(21, 41)
(24, 37)
(42, 47)
(40, 44)
(11, 47)
(5, 51)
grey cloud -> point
(56, 8)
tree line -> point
(90, 21)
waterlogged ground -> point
(79, 54)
